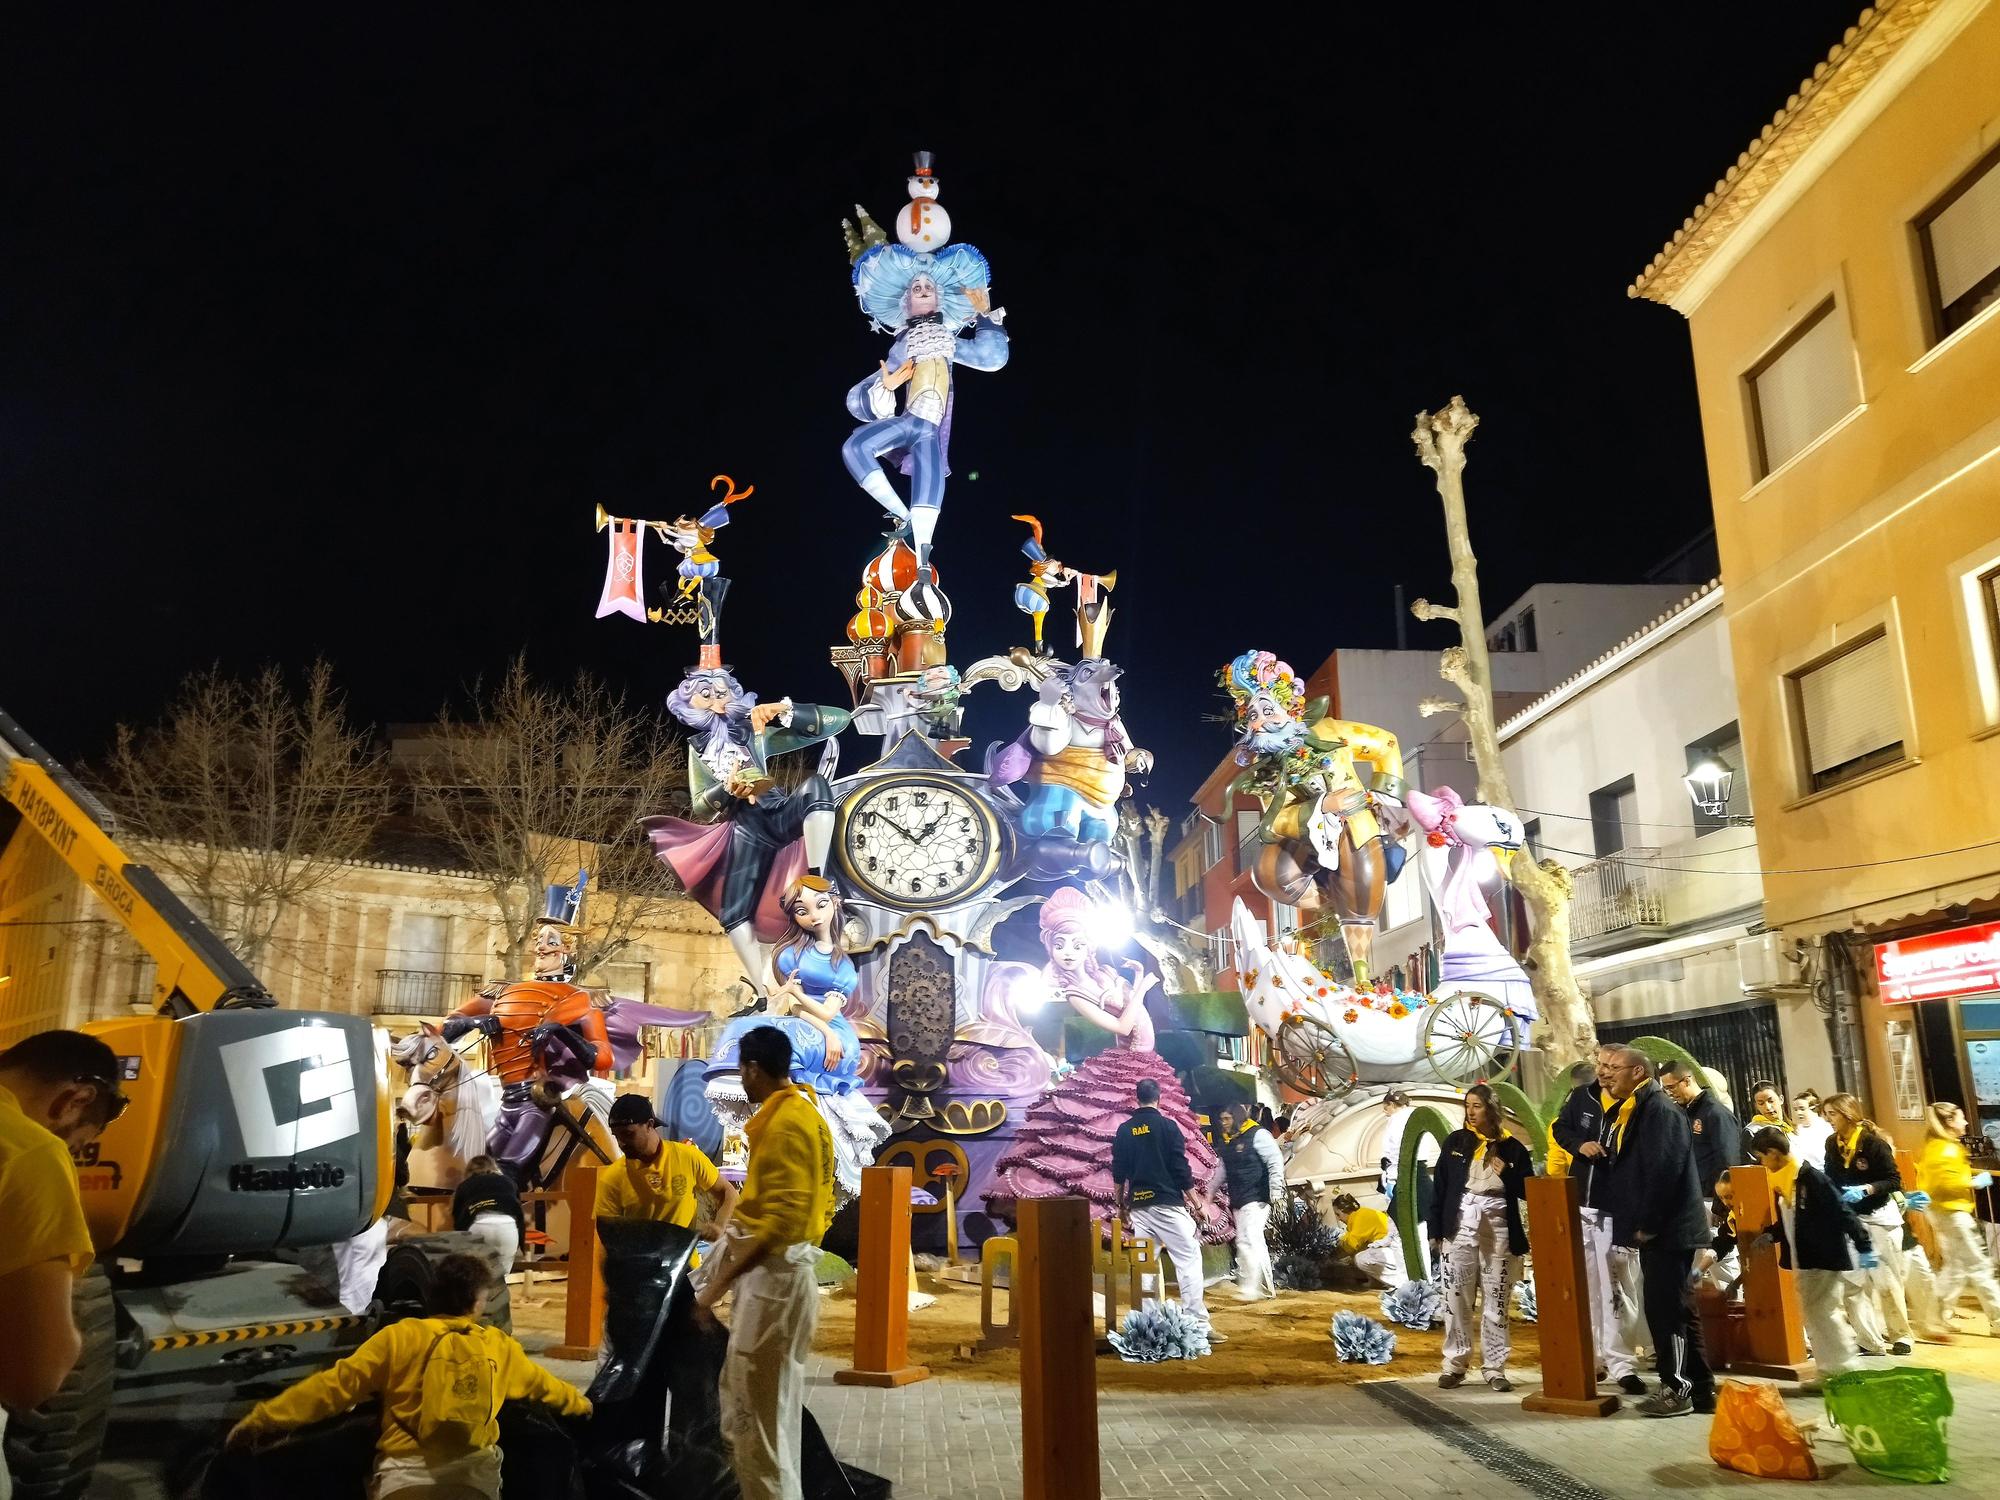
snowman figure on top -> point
(925, 226)
(935, 297)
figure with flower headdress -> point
(935, 299)
(1326, 786)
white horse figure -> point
(449, 1107)
(1463, 858)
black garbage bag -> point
(654, 1350)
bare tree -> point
(534, 782)
(249, 798)
(1545, 886)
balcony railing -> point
(1621, 894)
(421, 992)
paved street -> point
(1390, 1441)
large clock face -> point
(918, 841)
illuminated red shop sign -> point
(1938, 965)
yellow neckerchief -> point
(1484, 1141)
(1244, 1129)
(1622, 1117)
(1768, 1122)
(1784, 1181)
(1850, 1147)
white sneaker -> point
(1249, 1296)
(1215, 1337)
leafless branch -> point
(533, 782)
(248, 797)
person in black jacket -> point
(1718, 1139)
(1822, 1242)
(488, 1204)
(1657, 1206)
(1577, 1149)
(1475, 1225)
(1149, 1167)
(1861, 1162)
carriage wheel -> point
(1468, 1037)
(1312, 1059)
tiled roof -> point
(1848, 69)
(1596, 667)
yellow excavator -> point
(257, 1137)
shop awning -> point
(1890, 912)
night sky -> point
(327, 337)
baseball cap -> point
(633, 1109)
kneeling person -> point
(1370, 1241)
(441, 1379)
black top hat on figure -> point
(563, 904)
(924, 165)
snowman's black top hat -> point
(924, 165)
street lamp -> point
(1708, 785)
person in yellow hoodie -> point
(392, 1365)
(770, 1256)
(1944, 1170)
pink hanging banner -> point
(623, 583)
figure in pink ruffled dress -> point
(1064, 1144)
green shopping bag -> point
(1893, 1421)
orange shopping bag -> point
(1754, 1434)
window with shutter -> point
(1847, 713)
(1614, 817)
(1961, 240)
(1803, 388)
(1989, 590)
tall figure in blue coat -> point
(938, 305)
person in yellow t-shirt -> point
(58, 1090)
(772, 1253)
(657, 1178)
(391, 1365)
(1944, 1170)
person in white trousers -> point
(1252, 1171)
(1475, 1225)
(1580, 1140)
(770, 1256)
(1944, 1171)
(1825, 1246)
(1149, 1168)
(486, 1204)
(1861, 1162)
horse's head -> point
(435, 1069)
(1468, 846)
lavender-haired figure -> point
(757, 838)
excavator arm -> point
(193, 970)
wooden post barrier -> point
(882, 1309)
(1774, 1328)
(948, 1174)
(1562, 1305)
(996, 1248)
(583, 1301)
(1059, 1457)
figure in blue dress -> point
(815, 977)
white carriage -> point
(1327, 1037)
